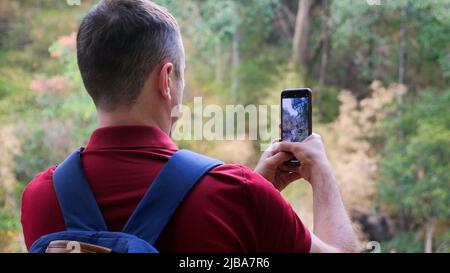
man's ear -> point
(164, 80)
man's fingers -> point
(313, 136)
(278, 158)
(289, 176)
(291, 147)
(270, 150)
(288, 168)
(295, 176)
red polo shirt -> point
(232, 209)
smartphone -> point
(296, 116)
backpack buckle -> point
(66, 246)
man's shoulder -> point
(246, 178)
(40, 212)
(41, 183)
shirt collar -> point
(130, 136)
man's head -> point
(130, 53)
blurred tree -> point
(300, 43)
(414, 174)
(396, 41)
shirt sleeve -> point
(40, 213)
(277, 225)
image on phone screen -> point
(295, 115)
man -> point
(131, 58)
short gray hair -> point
(119, 43)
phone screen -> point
(295, 107)
(295, 119)
(295, 116)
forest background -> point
(379, 70)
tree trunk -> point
(286, 20)
(286, 29)
(218, 63)
(324, 61)
(235, 59)
(326, 44)
(301, 35)
(402, 49)
(429, 233)
(403, 225)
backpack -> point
(86, 230)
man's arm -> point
(333, 231)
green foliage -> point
(212, 25)
(8, 221)
(414, 165)
(9, 230)
(403, 242)
(254, 80)
(35, 156)
(15, 85)
(326, 104)
(443, 240)
(67, 116)
(369, 37)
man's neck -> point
(128, 118)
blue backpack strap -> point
(77, 202)
(183, 170)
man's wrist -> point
(321, 174)
(322, 166)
